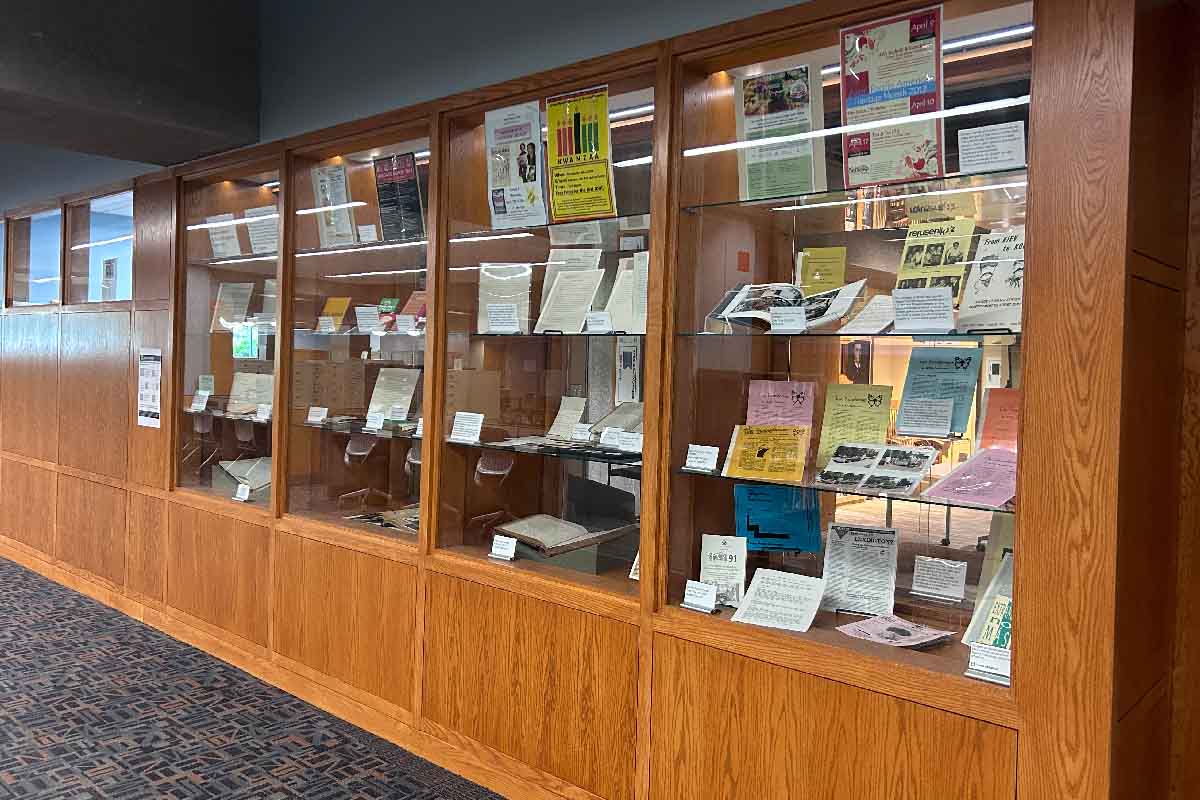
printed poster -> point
(579, 157)
(854, 413)
(335, 226)
(780, 104)
(514, 166)
(992, 296)
(892, 69)
(936, 254)
(401, 211)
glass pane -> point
(230, 314)
(848, 330)
(101, 254)
(36, 258)
(359, 313)
(546, 337)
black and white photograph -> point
(933, 253)
(880, 482)
(839, 480)
(907, 459)
(911, 283)
(952, 281)
(847, 455)
(856, 361)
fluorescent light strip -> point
(336, 207)
(391, 246)
(242, 260)
(424, 154)
(490, 237)
(939, 193)
(373, 274)
(958, 111)
(963, 43)
(271, 185)
(227, 223)
(103, 242)
(634, 162)
(626, 113)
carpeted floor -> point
(96, 705)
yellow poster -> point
(579, 157)
(853, 413)
(768, 452)
(336, 308)
(821, 269)
(936, 254)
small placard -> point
(924, 310)
(925, 416)
(629, 442)
(700, 597)
(990, 663)
(327, 325)
(633, 243)
(787, 319)
(262, 412)
(581, 432)
(635, 572)
(939, 578)
(206, 383)
(502, 318)
(702, 458)
(467, 427)
(405, 323)
(242, 493)
(398, 412)
(420, 431)
(199, 402)
(611, 437)
(992, 147)
(317, 415)
(504, 548)
(599, 322)
(374, 421)
(367, 233)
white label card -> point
(702, 458)
(633, 243)
(367, 233)
(502, 318)
(199, 401)
(398, 412)
(242, 492)
(925, 416)
(992, 147)
(599, 322)
(581, 432)
(420, 431)
(327, 325)
(993, 662)
(635, 572)
(374, 421)
(788, 319)
(405, 322)
(611, 437)
(504, 548)
(206, 383)
(940, 578)
(700, 597)
(262, 412)
(317, 415)
(630, 442)
(467, 427)
(924, 310)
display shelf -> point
(564, 451)
(915, 339)
(553, 335)
(359, 426)
(614, 580)
(239, 261)
(358, 247)
(621, 224)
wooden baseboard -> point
(471, 760)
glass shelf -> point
(359, 426)
(564, 451)
(552, 335)
(485, 235)
(923, 338)
(360, 247)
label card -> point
(876, 317)
(611, 437)
(242, 493)
(581, 432)
(924, 310)
(502, 318)
(420, 431)
(206, 383)
(405, 323)
(700, 597)
(374, 421)
(630, 442)
(925, 416)
(633, 243)
(467, 427)
(367, 233)
(702, 458)
(317, 415)
(262, 412)
(940, 578)
(992, 147)
(788, 319)
(199, 401)
(399, 412)
(599, 322)
(504, 548)
(990, 663)
(327, 325)
(635, 572)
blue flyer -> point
(943, 373)
(778, 517)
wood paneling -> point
(728, 726)
(93, 418)
(27, 503)
(146, 546)
(550, 686)
(149, 448)
(346, 614)
(218, 570)
(153, 239)
(29, 402)
(90, 528)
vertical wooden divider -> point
(281, 411)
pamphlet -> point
(892, 470)
(774, 105)
(781, 403)
(876, 317)
(895, 632)
(223, 236)
(249, 391)
(570, 412)
(989, 615)
(393, 393)
(924, 311)
(941, 373)
(626, 304)
(892, 68)
(860, 569)
(401, 210)
(578, 156)
(503, 285)
(625, 416)
(263, 228)
(781, 600)
(854, 413)
(565, 309)
(768, 452)
(936, 254)
(467, 427)
(723, 565)
(777, 518)
(992, 298)
(513, 141)
(1001, 419)
(415, 305)
(986, 480)
(821, 269)
(335, 308)
(335, 226)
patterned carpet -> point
(94, 704)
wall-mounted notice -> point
(578, 155)
(149, 413)
(514, 166)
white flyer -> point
(263, 227)
(992, 297)
(563, 260)
(860, 569)
(149, 413)
(992, 147)
(513, 137)
(565, 309)
(233, 301)
(723, 565)
(939, 578)
(504, 285)
(924, 310)
(331, 195)
(223, 236)
(876, 317)
(781, 600)
(570, 412)
(467, 427)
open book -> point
(552, 536)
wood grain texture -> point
(146, 546)
(1142, 748)
(728, 726)
(27, 504)
(218, 570)
(153, 239)
(549, 686)
(29, 402)
(89, 530)
(349, 615)
(150, 448)
(93, 408)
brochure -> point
(513, 141)
(752, 303)
(767, 452)
(780, 104)
(781, 403)
(822, 309)
(565, 309)
(723, 565)
(860, 569)
(1001, 419)
(986, 480)
(777, 518)
(821, 269)
(896, 632)
(936, 254)
(941, 373)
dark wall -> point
(32, 173)
(323, 64)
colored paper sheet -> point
(778, 517)
(781, 403)
(942, 373)
(578, 156)
(854, 413)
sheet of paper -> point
(780, 104)
(504, 548)
(368, 234)
(149, 410)
(992, 147)
(860, 569)
(1001, 419)
(467, 427)
(781, 600)
(895, 632)
(233, 302)
(723, 565)
(701, 458)
(503, 285)
(784, 319)
(828, 307)
(629, 442)
(567, 259)
(513, 140)
(394, 389)
(367, 318)
(923, 310)
(223, 238)
(925, 416)
(853, 413)
(599, 322)
(199, 401)
(503, 318)
(579, 156)
(570, 412)
(263, 229)
(987, 480)
(781, 403)
(335, 226)
(574, 234)
(943, 373)
(767, 452)
(876, 317)
(571, 297)
(936, 254)
(625, 416)
(992, 297)
(581, 432)
(401, 206)
(940, 578)
(777, 518)
(821, 269)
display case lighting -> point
(102, 242)
(335, 207)
(226, 223)
(888, 198)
